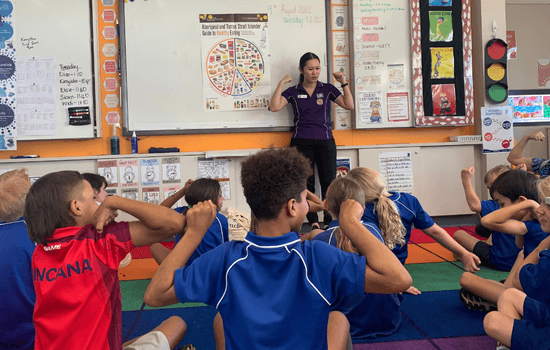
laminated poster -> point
(171, 170)
(396, 75)
(442, 62)
(398, 106)
(129, 173)
(130, 193)
(544, 72)
(343, 166)
(151, 195)
(512, 46)
(396, 169)
(444, 99)
(546, 106)
(36, 96)
(441, 26)
(370, 107)
(497, 129)
(527, 107)
(150, 172)
(170, 191)
(235, 55)
(225, 188)
(8, 79)
(441, 2)
(108, 169)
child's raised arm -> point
(516, 154)
(469, 260)
(155, 224)
(315, 203)
(502, 220)
(160, 291)
(384, 273)
(170, 201)
(471, 197)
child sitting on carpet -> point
(410, 212)
(272, 291)
(17, 296)
(195, 192)
(370, 315)
(75, 264)
(523, 318)
(99, 183)
(517, 193)
(501, 252)
(538, 166)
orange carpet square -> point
(428, 253)
(139, 269)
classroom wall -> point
(530, 22)
(204, 142)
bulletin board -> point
(211, 66)
(382, 64)
(55, 59)
(442, 58)
(400, 82)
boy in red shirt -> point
(75, 264)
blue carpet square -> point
(199, 324)
(441, 314)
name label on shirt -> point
(302, 96)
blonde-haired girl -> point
(370, 315)
(375, 192)
(384, 208)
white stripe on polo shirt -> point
(269, 247)
(305, 267)
(221, 228)
(227, 272)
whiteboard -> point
(164, 69)
(382, 63)
(54, 38)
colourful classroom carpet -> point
(436, 319)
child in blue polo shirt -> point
(272, 291)
(17, 297)
(370, 315)
(197, 191)
(539, 166)
(523, 318)
(514, 218)
(501, 252)
(407, 208)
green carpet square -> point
(435, 277)
(132, 297)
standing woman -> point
(310, 100)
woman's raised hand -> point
(286, 79)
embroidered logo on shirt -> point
(320, 95)
(52, 247)
(302, 96)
